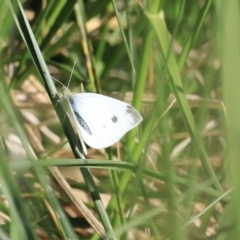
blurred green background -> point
(176, 175)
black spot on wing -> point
(82, 123)
(114, 119)
(134, 114)
(80, 120)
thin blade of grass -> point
(159, 26)
(29, 39)
(123, 35)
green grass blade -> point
(192, 37)
(35, 52)
(229, 43)
(123, 35)
(159, 26)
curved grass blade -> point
(158, 24)
(29, 39)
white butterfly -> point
(100, 121)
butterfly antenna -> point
(71, 73)
(58, 81)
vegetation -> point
(176, 175)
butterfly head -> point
(66, 92)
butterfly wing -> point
(102, 120)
